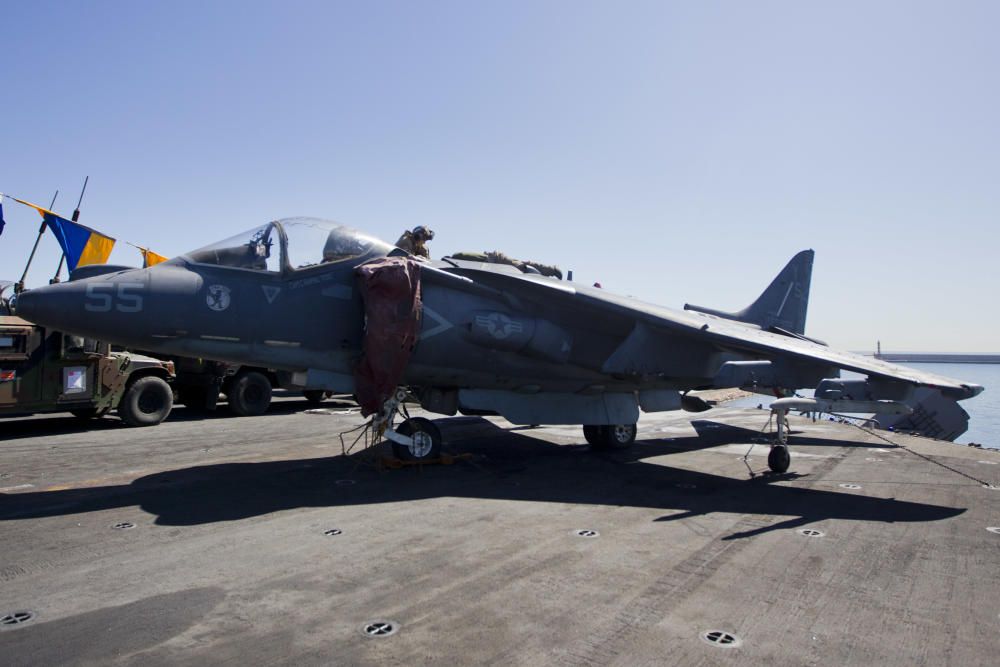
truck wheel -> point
(146, 402)
(199, 399)
(314, 396)
(249, 394)
(426, 440)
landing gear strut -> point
(778, 459)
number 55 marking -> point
(101, 298)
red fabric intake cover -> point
(390, 288)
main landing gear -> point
(612, 436)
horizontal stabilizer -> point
(782, 306)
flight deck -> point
(227, 540)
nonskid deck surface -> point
(253, 539)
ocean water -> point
(984, 410)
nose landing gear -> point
(415, 440)
(425, 440)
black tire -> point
(594, 435)
(249, 394)
(778, 459)
(146, 402)
(199, 399)
(314, 396)
(616, 436)
(427, 449)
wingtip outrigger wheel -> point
(778, 459)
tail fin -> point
(783, 305)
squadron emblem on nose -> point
(218, 297)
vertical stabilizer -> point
(783, 304)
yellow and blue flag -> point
(81, 245)
(149, 258)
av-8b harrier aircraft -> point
(350, 313)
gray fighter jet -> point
(345, 311)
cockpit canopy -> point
(292, 244)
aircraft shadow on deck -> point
(713, 433)
(507, 466)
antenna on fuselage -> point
(75, 218)
(19, 286)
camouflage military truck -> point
(199, 382)
(49, 371)
(247, 388)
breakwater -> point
(938, 358)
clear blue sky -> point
(675, 151)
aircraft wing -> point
(723, 333)
(735, 336)
(775, 345)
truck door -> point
(74, 376)
(21, 361)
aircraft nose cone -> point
(107, 308)
(45, 305)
